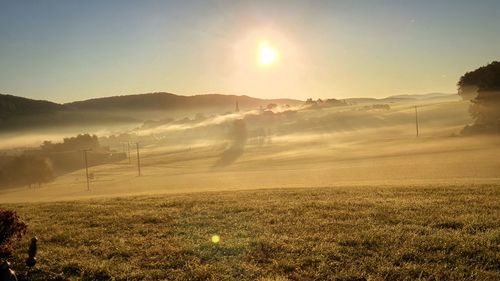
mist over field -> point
(309, 144)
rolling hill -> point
(20, 113)
(166, 101)
(11, 106)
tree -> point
(271, 106)
(40, 171)
(27, 170)
(484, 84)
(310, 101)
(485, 78)
(81, 141)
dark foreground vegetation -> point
(365, 233)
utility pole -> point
(416, 119)
(86, 168)
(128, 152)
(138, 159)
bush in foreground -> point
(11, 230)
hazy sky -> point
(71, 50)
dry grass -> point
(363, 233)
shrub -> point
(11, 230)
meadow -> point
(332, 194)
(341, 233)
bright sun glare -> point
(267, 55)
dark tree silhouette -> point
(485, 78)
(80, 142)
(27, 170)
(484, 85)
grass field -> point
(341, 233)
(397, 207)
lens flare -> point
(215, 239)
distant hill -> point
(22, 113)
(18, 112)
(423, 96)
(11, 106)
(167, 101)
(405, 98)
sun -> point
(266, 54)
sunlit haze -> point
(70, 50)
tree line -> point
(36, 167)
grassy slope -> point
(319, 162)
(377, 233)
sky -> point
(73, 50)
